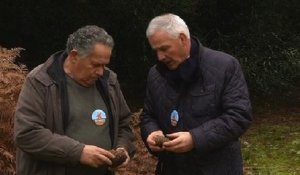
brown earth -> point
(142, 163)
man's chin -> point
(88, 84)
(171, 67)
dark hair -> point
(85, 38)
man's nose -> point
(100, 71)
(160, 55)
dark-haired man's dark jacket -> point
(41, 117)
(211, 96)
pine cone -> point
(120, 157)
(159, 140)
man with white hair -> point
(197, 98)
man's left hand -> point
(180, 142)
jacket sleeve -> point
(236, 114)
(124, 136)
(148, 120)
(31, 134)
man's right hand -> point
(94, 156)
(151, 142)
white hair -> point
(170, 23)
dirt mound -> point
(142, 163)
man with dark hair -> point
(71, 111)
(196, 97)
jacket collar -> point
(56, 70)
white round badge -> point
(99, 117)
(174, 118)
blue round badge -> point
(99, 117)
(174, 118)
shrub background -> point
(263, 35)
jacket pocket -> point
(203, 101)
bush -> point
(12, 77)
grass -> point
(271, 146)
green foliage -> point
(263, 35)
(267, 43)
(271, 64)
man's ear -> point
(73, 55)
(184, 39)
